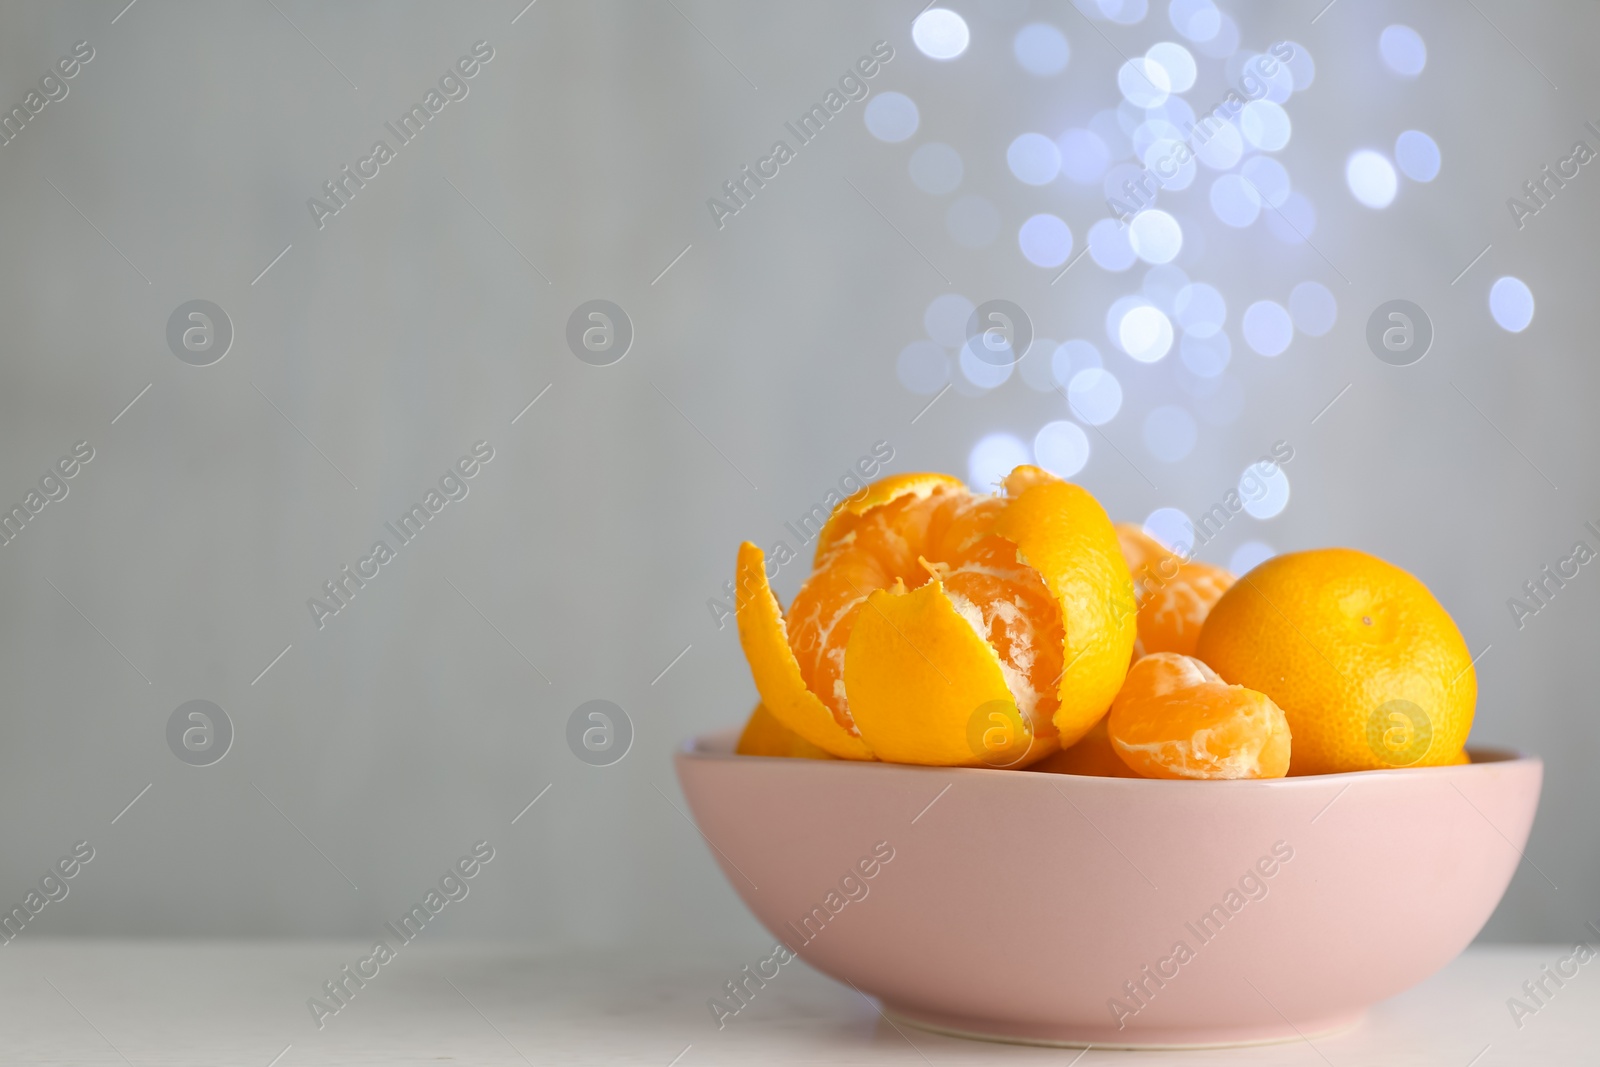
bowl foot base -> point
(1107, 1037)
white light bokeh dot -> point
(1094, 395)
(1403, 50)
(891, 117)
(992, 458)
(1302, 68)
(1198, 20)
(1143, 83)
(1264, 488)
(1172, 529)
(1126, 12)
(1061, 447)
(1155, 236)
(1045, 240)
(1235, 201)
(940, 33)
(1267, 328)
(980, 372)
(1269, 177)
(1109, 246)
(1313, 308)
(1225, 42)
(1371, 178)
(1417, 155)
(1041, 49)
(1034, 159)
(1169, 161)
(1258, 76)
(1511, 304)
(1221, 148)
(1177, 62)
(1265, 125)
(1145, 333)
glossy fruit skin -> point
(1369, 668)
(1175, 718)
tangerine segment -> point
(918, 673)
(1004, 600)
(765, 639)
(1092, 755)
(1063, 533)
(1368, 666)
(881, 546)
(1174, 595)
(764, 735)
(1171, 613)
(884, 491)
(1176, 718)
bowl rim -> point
(717, 746)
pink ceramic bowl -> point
(1059, 909)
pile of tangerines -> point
(1024, 630)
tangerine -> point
(1175, 718)
(930, 606)
(1368, 666)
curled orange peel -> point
(765, 639)
(1063, 533)
(916, 651)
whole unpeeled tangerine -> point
(1369, 668)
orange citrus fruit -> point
(764, 735)
(1092, 755)
(1173, 594)
(944, 627)
(1175, 718)
(1369, 668)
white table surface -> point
(175, 1003)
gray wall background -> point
(416, 323)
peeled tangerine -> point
(1176, 718)
(1173, 595)
(945, 627)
